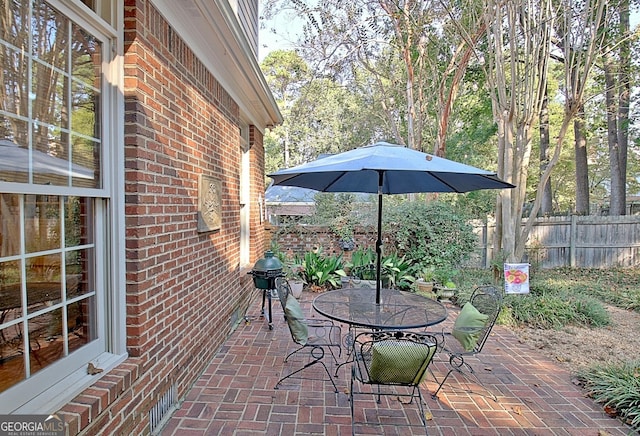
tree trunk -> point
(616, 203)
(623, 103)
(546, 205)
(582, 166)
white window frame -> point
(52, 387)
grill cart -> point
(264, 272)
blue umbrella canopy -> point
(385, 168)
(402, 170)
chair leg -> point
(435, 394)
(457, 364)
(330, 347)
(415, 393)
(340, 365)
(351, 400)
(421, 409)
(292, 353)
(317, 354)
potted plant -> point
(291, 269)
(294, 277)
(362, 269)
(342, 227)
(446, 287)
(425, 280)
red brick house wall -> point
(185, 289)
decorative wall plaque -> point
(209, 203)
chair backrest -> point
(293, 313)
(283, 289)
(488, 300)
(395, 357)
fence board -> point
(577, 241)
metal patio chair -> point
(470, 332)
(314, 337)
(393, 363)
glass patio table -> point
(397, 309)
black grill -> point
(265, 279)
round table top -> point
(397, 310)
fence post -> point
(488, 243)
(573, 237)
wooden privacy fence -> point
(564, 241)
(572, 241)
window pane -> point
(46, 343)
(80, 273)
(85, 114)
(42, 222)
(50, 89)
(90, 3)
(15, 96)
(86, 162)
(50, 35)
(10, 291)
(86, 57)
(78, 213)
(11, 356)
(14, 165)
(14, 22)
(44, 285)
(9, 225)
(81, 319)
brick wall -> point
(183, 287)
(297, 240)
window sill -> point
(54, 397)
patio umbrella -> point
(385, 168)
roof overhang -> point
(211, 29)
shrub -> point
(429, 233)
(555, 310)
(617, 388)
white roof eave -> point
(211, 29)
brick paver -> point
(236, 395)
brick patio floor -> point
(236, 395)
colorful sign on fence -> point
(516, 278)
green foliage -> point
(619, 287)
(616, 387)
(553, 309)
(363, 264)
(341, 212)
(429, 233)
(321, 271)
(445, 275)
(396, 271)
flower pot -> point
(445, 294)
(425, 288)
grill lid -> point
(269, 265)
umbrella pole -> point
(379, 240)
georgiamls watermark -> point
(31, 425)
